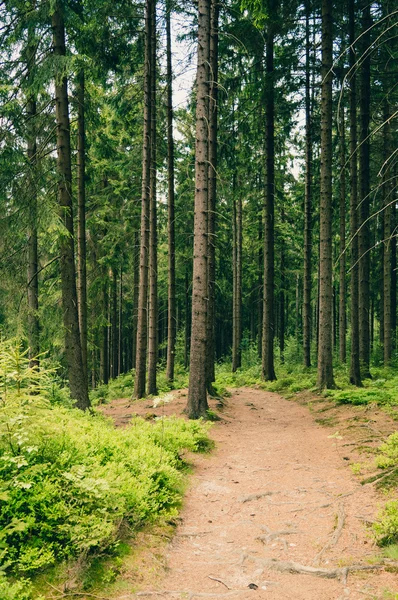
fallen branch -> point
(335, 537)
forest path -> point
(277, 489)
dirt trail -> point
(276, 490)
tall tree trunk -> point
(325, 352)
(114, 326)
(171, 312)
(387, 246)
(136, 289)
(212, 193)
(187, 321)
(142, 326)
(364, 187)
(260, 284)
(355, 373)
(307, 199)
(282, 302)
(393, 271)
(197, 394)
(342, 274)
(73, 349)
(104, 359)
(33, 262)
(153, 233)
(81, 219)
(268, 371)
(120, 364)
(237, 280)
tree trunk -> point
(237, 280)
(187, 321)
(260, 284)
(104, 359)
(33, 263)
(268, 371)
(342, 275)
(307, 200)
(81, 219)
(364, 188)
(282, 305)
(114, 330)
(355, 373)
(387, 231)
(120, 364)
(171, 313)
(153, 234)
(212, 194)
(197, 394)
(142, 326)
(73, 349)
(325, 352)
(136, 289)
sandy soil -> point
(277, 490)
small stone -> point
(252, 586)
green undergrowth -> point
(386, 527)
(69, 482)
(123, 386)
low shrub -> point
(68, 480)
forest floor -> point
(278, 510)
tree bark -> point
(387, 244)
(282, 301)
(355, 373)
(268, 371)
(212, 194)
(33, 262)
(260, 283)
(307, 200)
(104, 359)
(114, 327)
(342, 270)
(237, 280)
(197, 394)
(171, 313)
(120, 365)
(81, 218)
(325, 352)
(136, 289)
(73, 350)
(142, 326)
(187, 321)
(153, 234)
(364, 188)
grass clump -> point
(69, 480)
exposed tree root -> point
(190, 595)
(335, 537)
(340, 573)
(219, 581)
(255, 496)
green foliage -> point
(18, 590)
(386, 528)
(388, 456)
(123, 386)
(68, 480)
